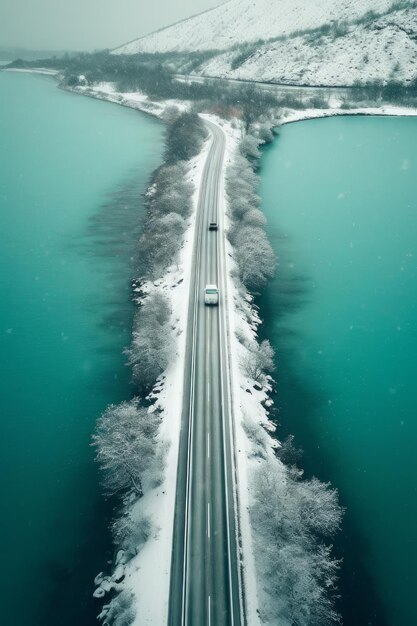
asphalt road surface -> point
(205, 572)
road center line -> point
(209, 611)
(208, 445)
(208, 521)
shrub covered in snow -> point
(185, 137)
(152, 344)
(288, 453)
(257, 435)
(169, 199)
(292, 519)
(169, 205)
(254, 256)
(130, 532)
(249, 147)
(258, 360)
(125, 442)
(120, 611)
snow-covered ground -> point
(290, 115)
(37, 70)
(240, 21)
(286, 47)
(385, 49)
(134, 100)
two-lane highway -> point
(205, 573)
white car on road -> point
(211, 294)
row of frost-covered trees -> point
(154, 74)
(254, 256)
(129, 448)
(126, 459)
(293, 519)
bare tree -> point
(160, 242)
(265, 133)
(169, 202)
(243, 200)
(288, 453)
(258, 360)
(174, 200)
(255, 257)
(125, 440)
(171, 114)
(169, 174)
(290, 518)
(185, 137)
(254, 218)
(249, 147)
(130, 532)
(153, 340)
(242, 170)
(120, 611)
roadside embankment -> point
(285, 521)
(147, 460)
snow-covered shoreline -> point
(38, 70)
(135, 100)
(140, 102)
(292, 116)
(147, 575)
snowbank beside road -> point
(290, 115)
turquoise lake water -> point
(341, 199)
(72, 171)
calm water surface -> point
(341, 199)
(72, 171)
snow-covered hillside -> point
(321, 42)
(238, 21)
(384, 48)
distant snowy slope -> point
(383, 48)
(239, 21)
(304, 42)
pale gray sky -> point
(88, 24)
